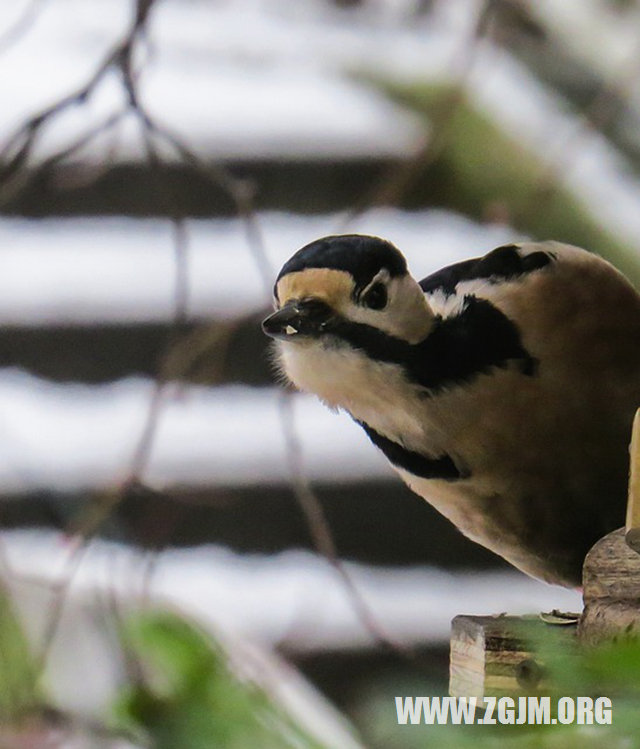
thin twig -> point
(239, 190)
(321, 534)
(399, 178)
(597, 115)
(19, 147)
(14, 158)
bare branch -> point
(19, 147)
(14, 159)
(321, 534)
(398, 179)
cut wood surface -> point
(495, 655)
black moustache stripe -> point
(441, 467)
(458, 349)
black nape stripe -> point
(502, 264)
(417, 464)
(477, 340)
(456, 351)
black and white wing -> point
(508, 263)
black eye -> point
(376, 297)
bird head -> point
(342, 281)
(341, 299)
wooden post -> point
(494, 655)
(632, 535)
(611, 573)
(611, 580)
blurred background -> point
(159, 161)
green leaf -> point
(187, 696)
(19, 693)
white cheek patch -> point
(407, 315)
(290, 330)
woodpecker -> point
(502, 388)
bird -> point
(501, 388)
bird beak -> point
(308, 317)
